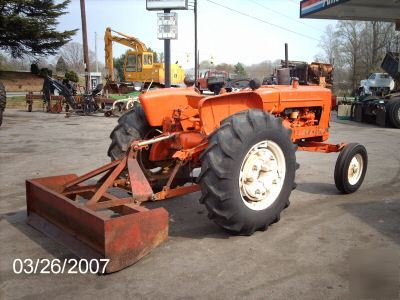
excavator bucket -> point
(94, 223)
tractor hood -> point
(157, 104)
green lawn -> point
(18, 102)
(118, 97)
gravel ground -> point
(304, 256)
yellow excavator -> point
(139, 63)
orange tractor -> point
(243, 142)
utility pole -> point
(85, 47)
(196, 71)
(167, 58)
(95, 51)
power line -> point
(263, 21)
(286, 16)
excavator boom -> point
(122, 39)
(139, 65)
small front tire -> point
(350, 168)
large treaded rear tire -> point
(221, 165)
(394, 112)
(3, 100)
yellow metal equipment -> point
(139, 62)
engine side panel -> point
(161, 103)
(304, 102)
(303, 109)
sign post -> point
(167, 23)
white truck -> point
(383, 110)
(377, 84)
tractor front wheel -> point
(247, 172)
(133, 126)
(394, 112)
(350, 168)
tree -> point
(35, 69)
(240, 70)
(44, 72)
(61, 65)
(330, 45)
(155, 55)
(375, 41)
(356, 49)
(119, 66)
(29, 27)
(205, 64)
(73, 56)
(161, 57)
(349, 33)
(72, 76)
(260, 70)
(225, 67)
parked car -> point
(379, 84)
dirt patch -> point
(21, 81)
(20, 103)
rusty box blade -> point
(124, 238)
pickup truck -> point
(212, 80)
(377, 84)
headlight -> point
(137, 86)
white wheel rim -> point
(262, 175)
(355, 169)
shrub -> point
(72, 76)
(34, 69)
(44, 72)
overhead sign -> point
(312, 6)
(166, 4)
(361, 10)
(167, 26)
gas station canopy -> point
(363, 10)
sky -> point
(223, 35)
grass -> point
(124, 96)
(20, 102)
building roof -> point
(363, 10)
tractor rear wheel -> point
(350, 168)
(394, 112)
(247, 172)
(133, 126)
(3, 100)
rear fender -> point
(213, 110)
